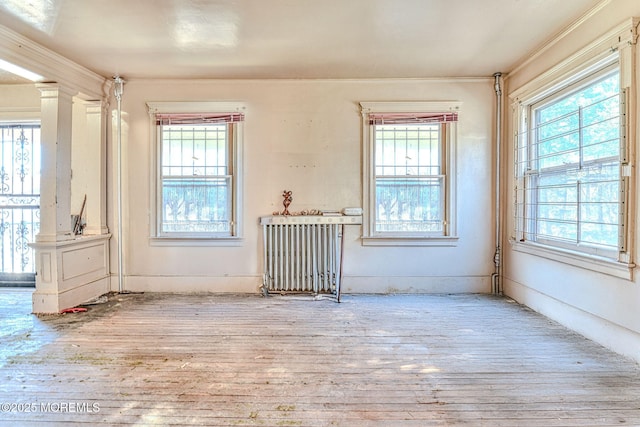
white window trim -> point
(573, 258)
(369, 238)
(196, 239)
(617, 45)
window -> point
(571, 165)
(197, 178)
(19, 198)
(409, 168)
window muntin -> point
(409, 180)
(570, 167)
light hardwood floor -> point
(229, 360)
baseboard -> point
(235, 284)
(416, 284)
(350, 284)
(610, 335)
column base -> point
(70, 272)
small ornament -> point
(288, 198)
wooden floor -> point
(441, 360)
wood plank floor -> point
(233, 360)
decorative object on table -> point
(288, 198)
(287, 195)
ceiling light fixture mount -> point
(119, 87)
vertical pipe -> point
(325, 251)
(272, 254)
(307, 269)
(334, 252)
(117, 90)
(329, 258)
(280, 246)
(296, 256)
(265, 268)
(314, 258)
(303, 256)
(341, 248)
(287, 258)
(327, 261)
(495, 277)
(322, 271)
(334, 258)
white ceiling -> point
(292, 38)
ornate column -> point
(96, 166)
(55, 184)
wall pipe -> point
(496, 284)
(117, 91)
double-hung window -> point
(571, 166)
(198, 161)
(409, 172)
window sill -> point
(196, 241)
(590, 262)
(410, 241)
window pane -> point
(194, 150)
(407, 149)
(557, 212)
(409, 204)
(599, 205)
(196, 205)
(196, 186)
(409, 187)
(558, 139)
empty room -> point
(319, 212)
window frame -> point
(448, 149)
(235, 153)
(534, 173)
(613, 48)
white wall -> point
(600, 306)
(305, 136)
(19, 102)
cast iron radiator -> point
(303, 253)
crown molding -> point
(54, 67)
(623, 35)
(544, 47)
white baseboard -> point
(610, 335)
(415, 284)
(241, 284)
(350, 284)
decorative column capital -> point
(55, 90)
(95, 106)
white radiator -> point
(303, 254)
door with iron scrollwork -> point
(19, 200)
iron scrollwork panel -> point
(19, 196)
